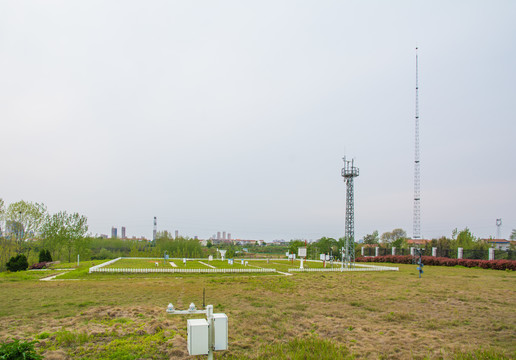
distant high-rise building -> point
(114, 231)
(218, 235)
(123, 232)
(223, 235)
(195, 237)
(229, 236)
(155, 230)
(177, 234)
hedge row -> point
(441, 261)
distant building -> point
(195, 237)
(218, 235)
(417, 242)
(229, 236)
(499, 244)
(279, 242)
(247, 242)
(223, 235)
(123, 232)
(177, 234)
(114, 231)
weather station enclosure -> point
(198, 330)
(220, 327)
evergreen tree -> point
(17, 263)
(42, 256)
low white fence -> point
(145, 271)
(100, 266)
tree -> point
(513, 234)
(76, 229)
(209, 244)
(2, 213)
(25, 219)
(53, 232)
(43, 256)
(399, 243)
(66, 231)
(396, 234)
(325, 244)
(294, 245)
(372, 238)
(465, 239)
(17, 263)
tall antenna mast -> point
(349, 171)
(417, 180)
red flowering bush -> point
(40, 265)
(441, 261)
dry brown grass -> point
(387, 315)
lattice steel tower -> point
(416, 229)
(498, 228)
(349, 171)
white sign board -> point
(210, 258)
(324, 257)
(292, 256)
(301, 252)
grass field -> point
(190, 264)
(451, 313)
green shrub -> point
(17, 263)
(19, 350)
(44, 256)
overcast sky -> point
(235, 115)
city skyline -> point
(236, 115)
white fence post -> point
(412, 250)
(491, 253)
(434, 252)
(362, 250)
(394, 250)
(377, 251)
(460, 253)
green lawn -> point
(219, 264)
(284, 265)
(450, 313)
(140, 264)
(190, 264)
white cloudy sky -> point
(234, 115)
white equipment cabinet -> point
(197, 336)
(220, 327)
